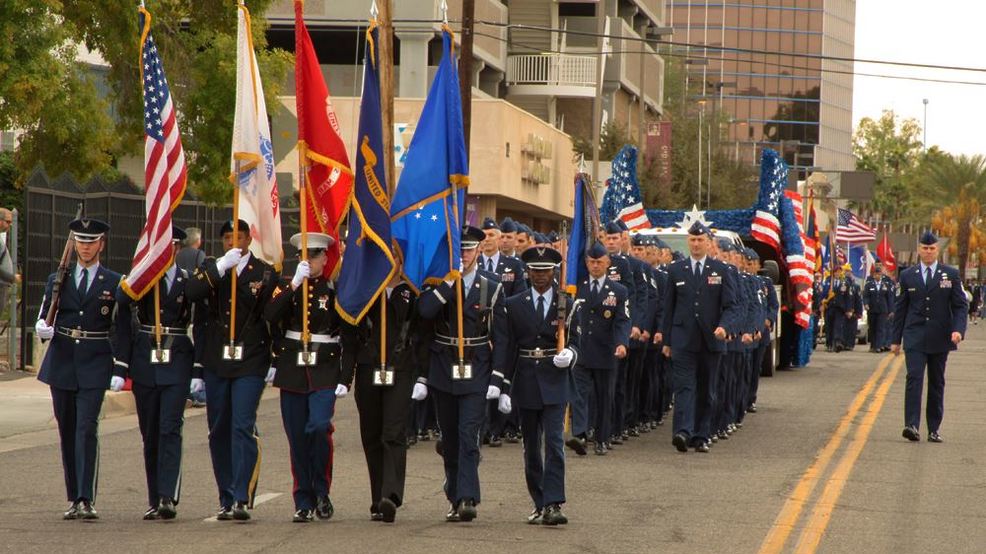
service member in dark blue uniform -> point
(840, 307)
(309, 388)
(624, 270)
(513, 278)
(78, 365)
(854, 310)
(461, 391)
(234, 377)
(602, 320)
(540, 386)
(383, 395)
(768, 294)
(930, 321)
(878, 298)
(638, 372)
(700, 312)
(161, 375)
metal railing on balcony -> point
(572, 75)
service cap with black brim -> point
(227, 227)
(471, 237)
(541, 258)
(178, 234)
(88, 230)
(317, 242)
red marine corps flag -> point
(329, 177)
(164, 170)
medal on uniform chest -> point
(384, 376)
(607, 314)
(255, 287)
(105, 310)
(323, 302)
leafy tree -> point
(956, 184)
(891, 149)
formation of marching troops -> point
(647, 330)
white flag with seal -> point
(253, 149)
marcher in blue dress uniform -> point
(700, 312)
(930, 321)
(541, 383)
(461, 395)
(309, 388)
(602, 319)
(161, 378)
(878, 298)
(78, 366)
(234, 377)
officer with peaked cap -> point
(234, 374)
(540, 386)
(929, 321)
(878, 298)
(309, 387)
(461, 390)
(78, 365)
(602, 319)
(161, 374)
(700, 312)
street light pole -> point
(924, 142)
(701, 122)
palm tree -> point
(955, 186)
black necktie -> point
(698, 269)
(595, 289)
(84, 282)
(927, 276)
(489, 265)
(540, 307)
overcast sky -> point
(949, 32)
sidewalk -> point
(25, 404)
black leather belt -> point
(537, 353)
(81, 334)
(165, 331)
(466, 341)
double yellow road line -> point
(800, 497)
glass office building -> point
(773, 90)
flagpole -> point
(303, 193)
(381, 17)
(157, 315)
(236, 238)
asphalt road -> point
(821, 467)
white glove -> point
(197, 386)
(116, 383)
(270, 375)
(341, 390)
(229, 260)
(564, 358)
(43, 330)
(303, 272)
(492, 392)
(419, 392)
(504, 404)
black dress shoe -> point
(495, 442)
(600, 449)
(633, 432)
(324, 508)
(225, 513)
(513, 438)
(166, 509)
(72, 512)
(376, 516)
(151, 514)
(935, 437)
(412, 440)
(438, 448)
(576, 444)
(240, 512)
(911, 434)
(87, 512)
(467, 510)
(553, 516)
(388, 510)
(680, 442)
(453, 513)
(752, 409)
(618, 439)
(534, 518)
(703, 448)
(303, 516)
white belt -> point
(324, 339)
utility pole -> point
(386, 36)
(597, 102)
(465, 68)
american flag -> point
(622, 198)
(765, 226)
(164, 170)
(850, 229)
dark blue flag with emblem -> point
(369, 262)
(585, 227)
(429, 202)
